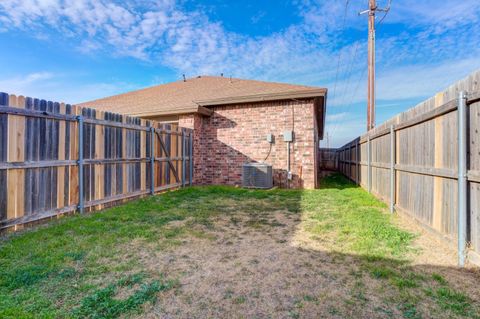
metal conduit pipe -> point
(289, 173)
(462, 177)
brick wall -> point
(236, 134)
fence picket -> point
(40, 146)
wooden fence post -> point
(190, 154)
(369, 166)
(350, 157)
(80, 164)
(462, 176)
(183, 158)
(358, 162)
(152, 160)
(392, 168)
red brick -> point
(236, 134)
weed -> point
(310, 298)
(454, 301)
(294, 314)
(102, 303)
(67, 272)
(439, 279)
(228, 294)
(239, 300)
(403, 283)
(25, 276)
(409, 311)
(381, 272)
(333, 311)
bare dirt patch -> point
(250, 270)
(266, 266)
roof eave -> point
(264, 97)
(197, 109)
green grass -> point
(453, 301)
(356, 219)
(102, 303)
(82, 266)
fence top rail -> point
(37, 108)
(36, 113)
(136, 126)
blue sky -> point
(78, 50)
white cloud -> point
(186, 41)
(189, 42)
(435, 47)
(336, 117)
(19, 83)
(50, 86)
(414, 81)
(437, 15)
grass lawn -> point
(218, 252)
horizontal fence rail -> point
(57, 158)
(415, 162)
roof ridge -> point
(251, 80)
(179, 94)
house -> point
(232, 119)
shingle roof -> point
(196, 94)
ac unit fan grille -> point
(257, 175)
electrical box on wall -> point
(288, 136)
(270, 138)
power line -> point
(349, 71)
(348, 77)
(352, 96)
(387, 10)
(334, 95)
(340, 51)
(360, 80)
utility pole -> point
(371, 65)
(372, 9)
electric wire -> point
(334, 95)
(348, 78)
(354, 92)
(340, 51)
(387, 10)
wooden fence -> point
(57, 158)
(327, 159)
(426, 163)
